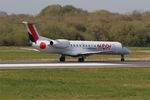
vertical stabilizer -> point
(32, 31)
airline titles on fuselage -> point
(99, 46)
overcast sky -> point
(35, 6)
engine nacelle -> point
(60, 43)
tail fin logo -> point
(33, 35)
(32, 31)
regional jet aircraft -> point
(79, 49)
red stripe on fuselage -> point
(32, 30)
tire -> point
(62, 59)
(81, 60)
(122, 59)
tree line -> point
(131, 29)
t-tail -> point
(32, 31)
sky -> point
(33, 7)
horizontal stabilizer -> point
(26, 23)
(32, 31)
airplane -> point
(73, 48)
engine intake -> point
(51, 42)
(60, 43)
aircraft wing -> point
(30, 49)
(96, 52)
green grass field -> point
(75, 84)
(16, 53)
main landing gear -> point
(62, 59)
(81, 59)
(122, 58)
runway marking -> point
(55, 65)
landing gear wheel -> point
(122, 58)
(62, 59)
(81, 60)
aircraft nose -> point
(126, 51)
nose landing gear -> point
(122, 58)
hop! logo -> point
(104, 46)
(42, 45)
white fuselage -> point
(78, 48)
(73, 48)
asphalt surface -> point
(72, 64)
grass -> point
(16, 53)
(75, 84)
(139, 48)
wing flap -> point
(30, 49)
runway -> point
(71, 64)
